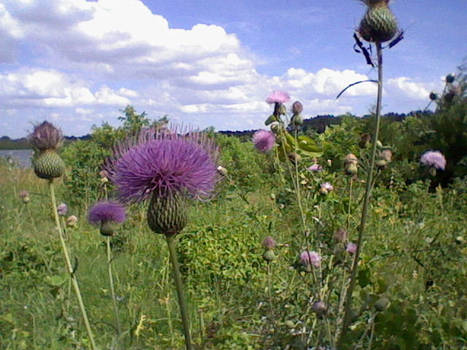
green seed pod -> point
(382, 304)
(48, 165)
(269, 255)
(108, 228)
(167, 214)
(379, 23)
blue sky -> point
(207, 63)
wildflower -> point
(62, 209)
(278, 97)
(351, 248)
(269, 243)
(72, 221)
(166, 167)
(325, 188)
(308, 258)
(434, 159)
(46, 139)
(24, 195)
(264, 140)
(107, 214)
(315, 167)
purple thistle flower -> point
(166, 163)
(315, 167)
(433, 159)
(23, 194)
(264, 140)
(310, 258)
(278, 97)
(106, 211)
(351, 248)
(46, 136)
(269, 242)
(62, 209)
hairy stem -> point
(112, 289)
(70, 268)
(179, 285)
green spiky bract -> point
(379, 23)
(48, 165)
(167, 214)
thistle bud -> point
(379, 23)
(386, 154)
(364, 140)
(433, 96)
(167, 214)
(296, 120)
(450, 78)
(269, 255)
(297, 108)
(269, 242)
(72, 221)
(319, 307)
(381, 163)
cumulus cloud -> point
(92, 58)
(409, 88)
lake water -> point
(22, 156)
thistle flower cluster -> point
(433, 159)
(308, 258)
(264, 140)
(164, 163)
(107, 214)
(24, 195)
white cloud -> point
(409, 88)
(50, 88)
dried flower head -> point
(165, 163)
(269, 242)
(62, 209)
(264, 140)
(310, 258)
(72, 221)
(106, 211)
(434, 159)
(278, 97)
(46, 136)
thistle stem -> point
(179, 285)
(361, 229)
(70, 267)
(112, 289)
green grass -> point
(413, 255)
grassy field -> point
(414, 257)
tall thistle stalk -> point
(108, 215)
(167, 168)
(366, 201)
(48, 165)
(70, 268)
(377, 26)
